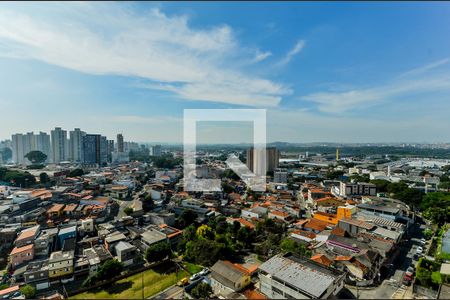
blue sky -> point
(337, 72)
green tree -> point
(157, 252)
(382, 185)
(44, 178)
(36, 157)
(289, 245)
(206, 252)
(205, 232)
(6, 153)
(76, 173)
(186, 218)
(424, 276)
(436, 278)
(28, 291)
(201, 291)
(110, 268)
(128, 211)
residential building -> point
(20, 255)
(125, 252)
(60, 264)
(256, 162)
(227, 278)
(95, 149)
(37, 274)
(156, 150)
(120, 144)
(42, 143)
(357, 189)
(76, 144)
(291, 277)
(280, 176)
(59, 145)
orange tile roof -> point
(55, 208)
(9, 290)
(27, 233)
(279, 213)
(317, 224)
(70, 207)
(304, 233)
(343, 258)
(254, 295)
(322, 259)
(338, 231)
(21, 249)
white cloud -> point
(166, 50)
(406, 85)
(426, 68)
(297, 48)
(260, 56)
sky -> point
(324, 72)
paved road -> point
(173, 292)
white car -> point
(419, 250)
(204, 272)
(195, 277)
(423, 241)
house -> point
(60, 264)
(96, 255)
(279, 215)
(386, 212)
(353, 226)
(257, 212)
(291, 277)
(20, 255)
(113, 238)
(66, 234)
(45, 242)
(227, 278)
(329, 202)
(27, 236)
(37, 274)
(125, 252)
(55, 211)
(119, 191)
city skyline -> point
(325, 72)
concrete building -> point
(291, 277)
(20, 255)
(280, 176)
(95, 149)
(227, 278)
(76, 144)
(18, 151)
(156, 150)
(60, 264)
(357, 189)
(120, 144)
(255, 160)
(59, 145)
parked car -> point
(195, 277)
(419, 250)
(183, 281)
(204, 272)
(410, 271)
(407, 279)
(423, 241)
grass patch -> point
(155, 280)
(192, 268)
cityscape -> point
(106, 194)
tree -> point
(424, 276)
(43, 178)
(201, 291)
(36, 157)
(157, 252)
(76, 173)
(110, 268)
(205, 252)
(187, 218)
(128, 211)
(6, 153)
(382, 185)
(204, 231)
(28, 291)
(289, 245)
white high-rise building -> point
(76, 144)
(42, 143)
(156, 150)
(59, 145)
(17, 148)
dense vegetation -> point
(17, 178)
(107, 270)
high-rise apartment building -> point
(17, 148)
(120, 145)
(156, 150)
(59, 145)
(94, 149)
(255, 159)
(42, 143)
(22, 144)
(75, 144)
